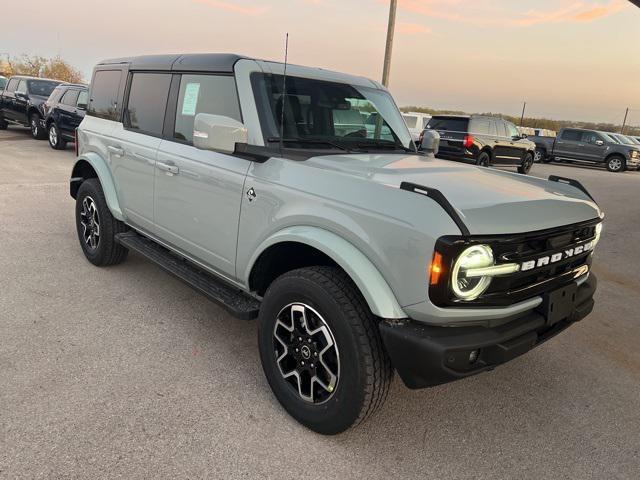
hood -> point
(489, 201)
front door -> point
(198, 193)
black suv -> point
(483, 140)
(22, 100)
(64, 111)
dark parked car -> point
(22, 100)
(588, 146)
(64, 110)
(483, 140)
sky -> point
(568, 59)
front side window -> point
(42, 88)
(83, 99)
(502, 129)
(22, 87)
(512, 131)
(147, 102)
(213, 94)
(103, 101)
(591, 137)
(70, 98)
(322, 114)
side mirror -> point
(82, 106)
(21, 94)
(218, 133)
(599, 143)
(523, 135)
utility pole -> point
(389, 47)
(522, 116)
(624, 122)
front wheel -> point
(616, 164)
(321, 350)
(37, 131)
(526, 165)
(55, 139)
(540, 156)
(96, 226)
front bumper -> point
(426, 356)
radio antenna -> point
(284, 92)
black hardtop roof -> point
(213, 62)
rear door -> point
(8, 99)
(198, 193)
(139, 137)
(20, 102)
(568, 144)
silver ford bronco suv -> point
(296, 196)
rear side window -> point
(214, 94)
(147, 102)
(572, 135)
(450, 124)
(104, 94)
(70, 98)
(480, 126)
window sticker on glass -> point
(190, 101)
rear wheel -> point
(616, 164)
(55, 139)
(483, 160)
(526, 165)
(321, 350)
(37, 131)
(96, 226)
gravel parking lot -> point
(127, 372)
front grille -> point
(519, 248)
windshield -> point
(322, 114)
(625, 140)
(611, 137)
(43, 88)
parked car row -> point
(616, 152)
(50, 108)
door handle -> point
(117, 151)
(165, 167)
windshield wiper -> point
(308, 141)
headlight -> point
(598, 233)
(635, 154)
(470, 288)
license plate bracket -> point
(559, 304)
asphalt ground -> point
(125, 372)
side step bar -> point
(237, 302)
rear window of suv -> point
(449, 124)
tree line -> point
(36, 66)
(544, 123)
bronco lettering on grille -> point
(557, 257)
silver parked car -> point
(303, 201)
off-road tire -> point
(526, 165)
(365, 369)
(37, 131)
(59, 143)
(616, 163)
(483, 160)
(107, 251)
